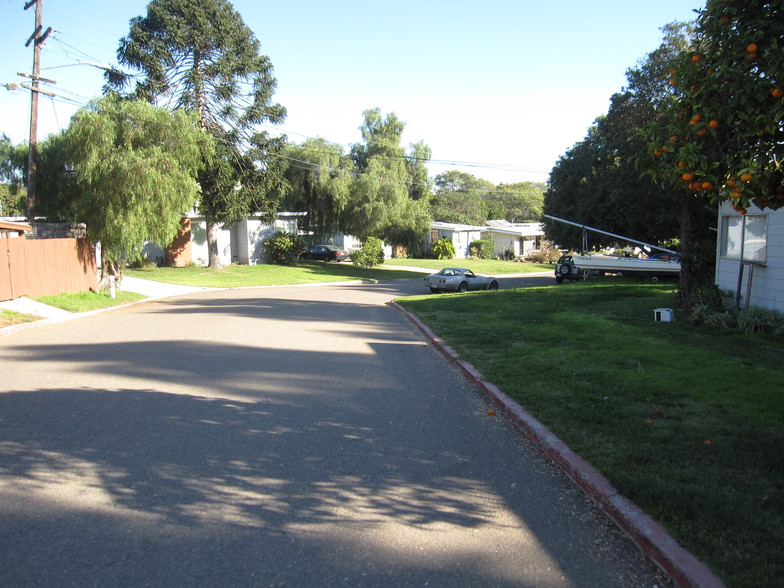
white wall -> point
(199, 251)
(768, 281)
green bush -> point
(760, 320)
(443, 248)
(282, 248)
(371, 253)
(482, 248)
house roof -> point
(454, 227)
(495, 226)
(12, 227)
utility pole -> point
(37, 39)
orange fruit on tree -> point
(681, 164)
(707, 186)
(687, 177)
(777, 93)
(747, 177)
(702, 132)
(751, 48)
(696, 58)
(730, 183)
(713, 124)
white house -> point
(240, 243)
(517, 238)
(461, 236)
(750, 256)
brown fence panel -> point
(42, 267)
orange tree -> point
(723, 138)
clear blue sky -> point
(510, 83)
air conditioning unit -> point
(664, 315)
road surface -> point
(299, 436)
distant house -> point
(750, 256)
(516, 238)
(461, 236)
(242, 242)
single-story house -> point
(240, 243)
(750, 256)
(461, 236)
(517, 238)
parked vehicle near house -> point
(326, 253)
(581, 267)
(458, 279)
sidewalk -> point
(153, 291)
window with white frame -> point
(744, 236)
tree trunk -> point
(212, 243)
(685, 295)
(111, 274)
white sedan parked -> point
(459, 279)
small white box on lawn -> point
(664, 315)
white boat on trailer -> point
(581, 267)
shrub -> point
(547, 254)
(482, 248)
(443, 248)
(371, 253)
(282, 248)
(760, 320)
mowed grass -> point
(87, 301)
(688, 422)
(234, 276)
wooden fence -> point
(42, 267)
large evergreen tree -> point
(199, 56)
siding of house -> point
(767, 284)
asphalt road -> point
(301, 436)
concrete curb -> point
(681, 566)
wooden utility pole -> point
(37, 39)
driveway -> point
(300, 436)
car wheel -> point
(493, 285)
(435, 290)
(462, 287)
(559, 280)
(564, 269)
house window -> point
(748, 234)
(433, 236)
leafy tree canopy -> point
(597, 182)
(388, 200)
(319, 180)
(199, 56)
(133, 167)
(13, 163)
(723, 136)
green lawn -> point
(86, 301)
(688, 422)
(317, 271)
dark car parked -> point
(326, 253)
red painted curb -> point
(681, 566)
